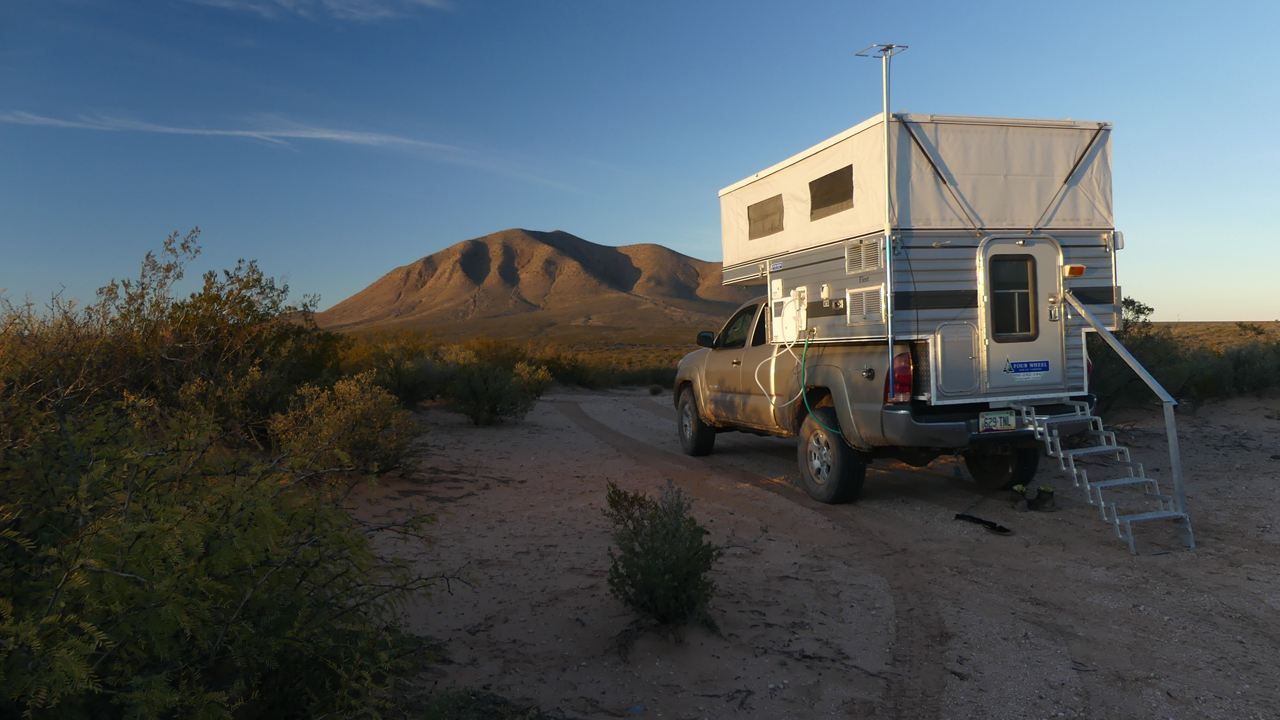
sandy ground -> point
(883, 608)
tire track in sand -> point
(914, 691)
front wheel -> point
(1002, 470)
(696, 437)
(832, 471)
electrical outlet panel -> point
(791, 324)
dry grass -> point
(1219, 336)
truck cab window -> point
(761, 335)
(735, 331)
(1012, 288)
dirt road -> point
(884, 608)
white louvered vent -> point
(865, 306)
(862, 257)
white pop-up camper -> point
(989, 221)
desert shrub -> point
(490, 393)
(403, 362)
(534, 379)
(154, 564)
(1251, 330)
(149, 573)
(1192, 374)
(662, 565)
(354, 424)
(235, 347)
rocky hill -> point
(522, 284)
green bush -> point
(489, 393)
(662, 565)
(150, 574)
(154, 562)
(403, 362)
(355, 424)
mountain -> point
(523, 284)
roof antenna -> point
(885, 51)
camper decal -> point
(1026, 370)
(775, 267)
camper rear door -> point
(1022, 329)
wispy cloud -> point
(280, 131)
(273, 130)
(360, 10)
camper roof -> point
(916, 118)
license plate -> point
(996, 421)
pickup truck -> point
(834, 398)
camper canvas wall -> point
(946, 173)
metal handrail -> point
(1170, 426)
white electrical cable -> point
(772, 357)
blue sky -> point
(333, 140)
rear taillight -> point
(900, 392)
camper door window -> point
(1013, 292)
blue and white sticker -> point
(1025, 370)
(775, 267)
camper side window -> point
(831, 193)
(1012, 288)
(764, 218)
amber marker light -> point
(1072, 270)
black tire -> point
(1002, 470)
(832, 471)
(696, 437)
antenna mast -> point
(886, 51)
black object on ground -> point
(993, 527)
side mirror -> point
(706, 338)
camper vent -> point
(865, 306)
(862, 257)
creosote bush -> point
(663, 562)
(489, 393)
(157, 557)
(354, 424)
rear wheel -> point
(1002, 470)
(832, 471)
(696, 437)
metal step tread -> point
(1044, 420)
(1092, 450)
(1120, 482)
(1157, 515)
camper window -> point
(764, 218)
(831, 193)
(1012, 288)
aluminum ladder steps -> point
(1092, 450)
(1046, 429)
(1126, 522)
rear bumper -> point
(904, 429)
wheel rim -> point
(819, 458)
(686, 420)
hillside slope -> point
(522, 283)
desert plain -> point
(887, 607)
